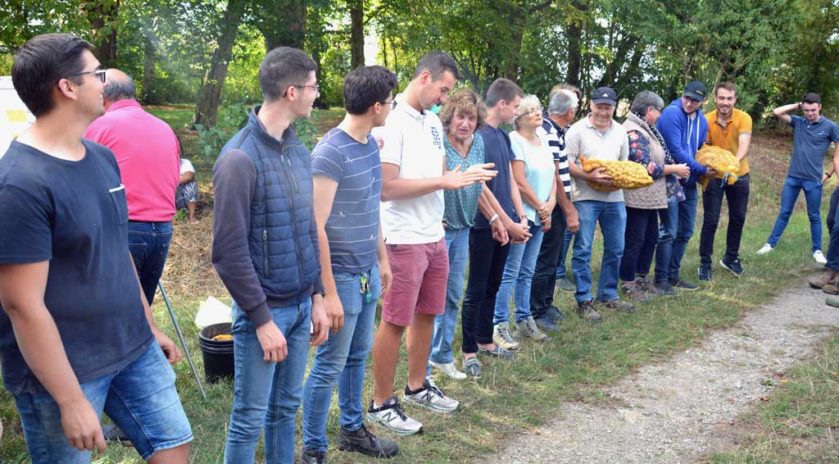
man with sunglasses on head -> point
(77, 336)
(265, 249)
(684, 130)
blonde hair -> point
(528, 104)
(464, 101)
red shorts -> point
(420, 275)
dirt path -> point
(677, 411)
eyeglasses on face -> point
(316, 87)
(101, 74)
(389, 103)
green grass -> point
(799, 421)
(513, 398)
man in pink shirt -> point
(148, 155)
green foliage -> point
(231, 118)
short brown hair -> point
(727, 85)
(464, 101)
(502, 89)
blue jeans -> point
(674, 233)
(141, 399)
(342, 357)
(457, 243)
(518, 275)
(149, 245)
(789, 194)
(561, 271)
(267, 394)
(612, 218)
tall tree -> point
(104, 18)
(206, 111)
(356, 32)
(281, 22)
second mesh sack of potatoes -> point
(720, 160)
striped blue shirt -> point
(353, 224)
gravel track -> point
(679, 410)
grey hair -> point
(527, 104)
(120, 89)
(644, 100)
(563, 101)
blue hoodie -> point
(684, 136)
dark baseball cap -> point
(604, 95)
(695, 90)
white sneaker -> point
(448, 369)
(392, 417)
(819, 257)
(766, 248)
(432, 398)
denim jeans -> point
(789, 194)
(737, 195)
(674, 234)
(149, 245)
(518, 277)
(141, 399)
(457, 242)
(612, 218)
(545, 274)
(833, 227)
(486, 266)
(561, 269)
(342, 357)
(639, 242)
(267, 394)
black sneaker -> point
(113, 433)
(705, 272)
(554, 314)
(363, 441)
(664, 288)
(312, 457)
(734, 266)
(683, 284)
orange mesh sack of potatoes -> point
(625, 174)
(720, 160)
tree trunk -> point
(282, 23)
(207, 109)
(150, 95)
(102, 15)
(357, 32)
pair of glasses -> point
(389, 103)
(311, 86)
(101, 74)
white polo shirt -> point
(413, 141)
(584, 139)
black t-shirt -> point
(74, 214)
(498, 151)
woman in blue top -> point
(533, 171)
(463, 113)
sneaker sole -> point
(505, 345)
(356, 449)
(429, 406)
(722, 263)
(402, 432)
(456, 376)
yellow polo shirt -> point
(728, 136)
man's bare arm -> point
(781, 111)
(22, 288)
